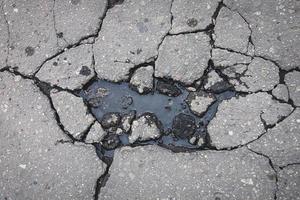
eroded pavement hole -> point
(168, 115)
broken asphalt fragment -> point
(130, 35)
(72, 112)
(150, 172)
(259, 75)
(71, 69)
(96, 133)
(281, 143)
(183, 57)
(33, 164)
(168, 88)
(192, 15)
(281, 92)
(144, 128)
(142, 79)
(231, 31)
(32, 33)
(183, 126)
(40, 29)
(76, 19)
(274, 26)
(288, 183)
(242, 119)
(110, 120)
(200, 101)
(215, 83)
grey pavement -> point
(225, 74)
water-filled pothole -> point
(107, 97)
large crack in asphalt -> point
(166, 141)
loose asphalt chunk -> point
(144, 128)
(142, 79)
(33, 165)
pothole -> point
(167, 105)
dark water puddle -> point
(119, 97)
(164, 107)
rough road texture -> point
(227, 71)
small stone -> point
(192, 140)
(111, 141)
(183, 126)
(96, 134)
(119, 131)
(191, 89)
(200, 141)
(169, 89)
(127, 120)
(142, 79)
(200, 101)
(281, 92)
(111, 119)
(145, 127)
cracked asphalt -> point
(150, 99)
